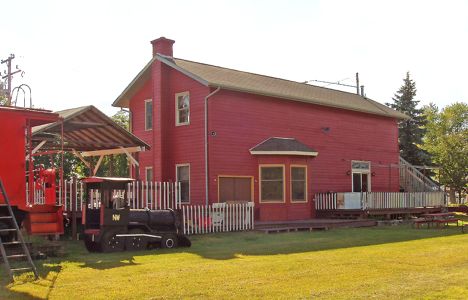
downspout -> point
(206, 143)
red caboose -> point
(21, 177)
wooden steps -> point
(44, 220)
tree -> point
(3, 94)
(411, 131)
(116, 165)
(447, 141)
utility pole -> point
(9, 76)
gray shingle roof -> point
(282, 146)
(229, 79)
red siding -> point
(240, 121)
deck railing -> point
(412, 180)
(379, 200)
(218, 217)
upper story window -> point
(148, 114)
(182, 113)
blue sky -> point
(77, 53)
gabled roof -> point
(230, 79)
(85, 129)
(282, 146)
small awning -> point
(282, 146)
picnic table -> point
(440, 219)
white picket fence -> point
(218, 217)
(381, 200)
(197, 219)
(141, 195)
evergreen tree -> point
(411, 131)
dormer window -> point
(182, 108)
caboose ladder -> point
(10, 219)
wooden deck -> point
(310, 225)
(387, 213)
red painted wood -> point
(239, 121)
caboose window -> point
(183, 176)
(182, 108)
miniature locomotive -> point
(110, 225)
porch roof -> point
(282, 146)
(85, 129)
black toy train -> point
(110, 225)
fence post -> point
(73, 200)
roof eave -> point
(299, 153)
(125, 93)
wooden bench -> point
(445, 222)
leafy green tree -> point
(3, 94)
(116, 165)
(447, 141)
(411, 131)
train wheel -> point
(111, 243)
(169, 241)
(90, 245)
(135, 243)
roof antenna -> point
(361, 93)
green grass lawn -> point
(381, 263)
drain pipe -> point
(206, 143)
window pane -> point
(272, 191)
(182, 173)
(183, 101)
(360, 165)
(272, 173)
(357, 182)
(364, 182)
(183, 176)
(183, 116)
(298, 173)
(148, 115)
(149, 174)
(184, 191)
(298, 190)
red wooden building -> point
(229, 135)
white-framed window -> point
(183, 176)
(148, 114)
(298, 183)
(149, 173)
(361, 176)
(182, 111)
(271, 181)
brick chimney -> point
(162, 46)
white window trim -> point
(260, 183)
(152, 115)
(360, 171)
(146, 173)
(291, 183)
(177, 109)
(189, 178)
